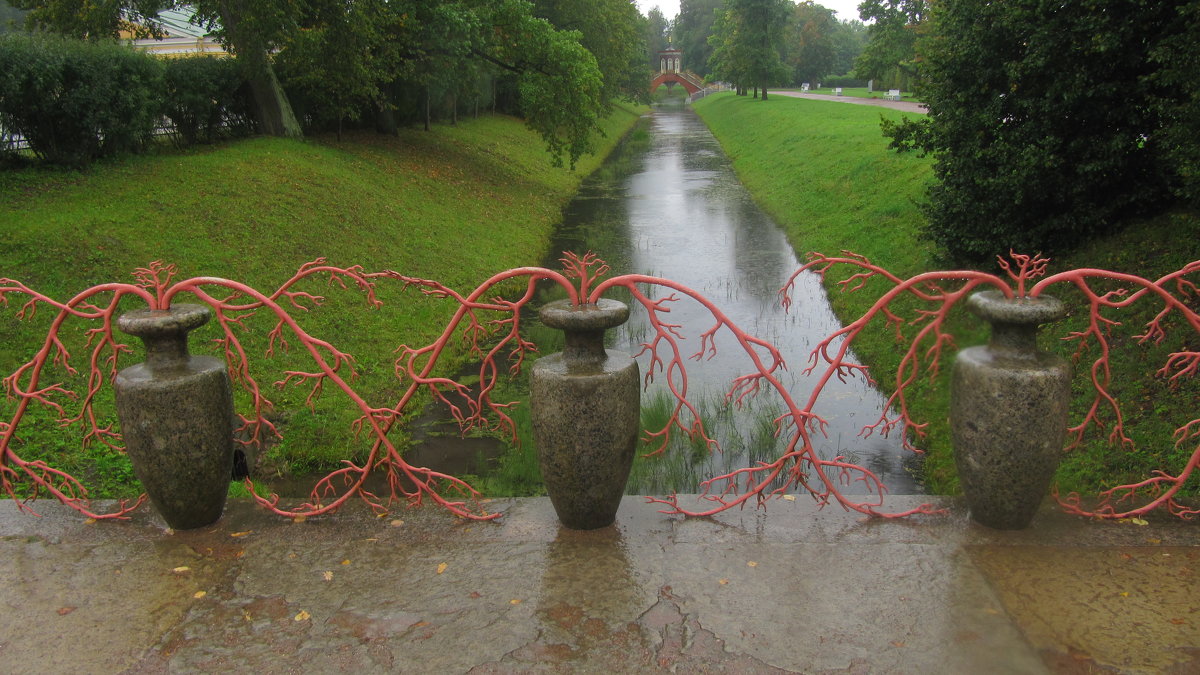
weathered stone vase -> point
(176, 413)
(586, 407)
(1008, 411)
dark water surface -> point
(671, 206)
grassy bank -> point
(456, 204)
(822, 170)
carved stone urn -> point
(176, 414)
(586, 407)
(1008, 411)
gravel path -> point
(906, 106)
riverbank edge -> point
(456, 205)
(872, 190)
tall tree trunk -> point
(427, 125)
(271, 106)
(764, 92)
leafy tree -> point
(251, 30)
(340, 63)
(614, 32)
(890, 54)
(810, 43)
(747, 42)
(1178, 99)
(692, 30)
(96, 20)
(656, 36)
(1051, 122)
(849, 41)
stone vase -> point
(1008, 411)
(586, 407)
(176, 414)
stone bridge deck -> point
(789, 589)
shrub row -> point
(843, 81)
(75, 101)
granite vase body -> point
(176, 413)
(586, 407)
(1008, 411)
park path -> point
(905, 106)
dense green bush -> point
(1051, 123)
(75, 101)
(843, 81)
(204, 99)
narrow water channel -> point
(667, 203)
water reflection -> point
(672, 207)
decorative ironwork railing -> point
(491, 328)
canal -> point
(667, 203)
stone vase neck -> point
(1014, 321)
(165, 333)
(583, 328)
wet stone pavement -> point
(792, 589)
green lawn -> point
(857, 92)
(457, 205)
(822, 170)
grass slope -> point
(822, 170)
(457, 205)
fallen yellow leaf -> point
(89, 521)
(1139, 521)
(346, 561)
(722, 581)
(299, 519)
(181, 569)
(397, 522)
(789, 498)
(199, 594)
(302, 616)
(514, 601)
(442, 567)
(752, 564)
(241, 534)
(1124, 594)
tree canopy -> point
(747, 42)
(1053, 122)
(692, 30)
(560, 62)
(890, 55)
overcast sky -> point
(846, 9)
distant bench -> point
(893, 95)
(837, 91)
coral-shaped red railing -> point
(490, 329)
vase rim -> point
(177, 320)
(994, 307)
(603, 314)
